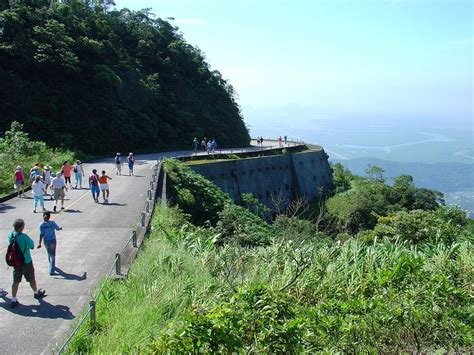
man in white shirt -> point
(58, 186)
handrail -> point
(141, 226)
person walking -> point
(285, 138)
(204, 144)
(66, 170)
(34, 172)
(78, 173)
(131, 163)
(47, 232)
(38, 193)
(94, 185)
(104, 186)
(195, 145)
(59, 188)
(19, 181)
(118, 164)
(25, 243)
(47, 178)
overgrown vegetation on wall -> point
(403, 282)
(82, 77)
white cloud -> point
(191, 21)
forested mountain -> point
(102, 81)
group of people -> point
(280, 141)
(209, 146)
(41, 178)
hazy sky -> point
(394, 56)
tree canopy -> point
(78, 76)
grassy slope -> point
(161, 286)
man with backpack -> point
(18, 256)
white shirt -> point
(58, 183)
(37, 188)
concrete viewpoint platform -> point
(86, 248)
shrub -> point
(194, 194)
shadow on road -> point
(69, 210)
(71, 277)
(42, 310)
(113, 204)
(4, 208)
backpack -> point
(14, 256)
(93, 179)
(75, 169)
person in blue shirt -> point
(25, 243)
(47, 231)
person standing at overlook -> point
(204, 144)
(26, 269)
(19, 181)
(195, 145)
(131, 163)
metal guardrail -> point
(136, 239)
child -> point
(48, 233)
(94, 185)
(104, 186)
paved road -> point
(85, 251)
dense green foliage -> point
(102, 81)
(16, 148)
(357, 201)
(246, 286)
(197, 196)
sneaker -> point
(3, 292)
(54, 208)
(62, 207)
(14, 304)
(41, 294)
(34, 211)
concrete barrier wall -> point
(288, 175)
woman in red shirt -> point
(66, 170)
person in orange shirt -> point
(104, 186)
(66, 170)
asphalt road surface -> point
(92, 234)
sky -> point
(383, 57)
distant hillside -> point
(78, 76)
(455, 180)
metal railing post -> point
(149, 194)
(143, 219)
(151, 185)
(118, 267)
(134, 239)
(147, 206)
(92, 314)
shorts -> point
(95, 189)
(58, 193)
(26, 270)
(19, 182)
(104, 186)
